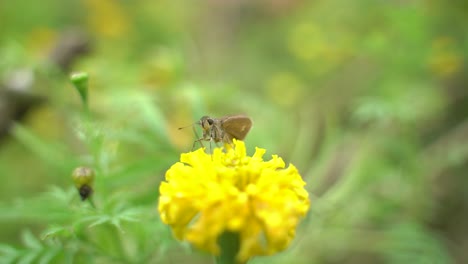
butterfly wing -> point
(236, 126)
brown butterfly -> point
(224, 129)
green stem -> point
(230, 244)
(91, 202)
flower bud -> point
(80, 82)
(83, 177)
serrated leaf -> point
(8, 254)
(29, 257)
(411, 243)
(48, 256)
(152, 115)
(48, 151)
(7, 249)
(131, 173)
(148, 113)
(8, 259)
(129, 218)
(69, 257)
(57, 193)
(116, 222)
(101, 220)
(52, 231)
(30, 241)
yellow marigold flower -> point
(205, 196)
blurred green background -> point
(368, 98)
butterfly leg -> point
(199, 141)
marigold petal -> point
(206, 195)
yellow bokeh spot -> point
(445, 60)
(306, 41)
(107, 18)
(285, 89)
(41, 40)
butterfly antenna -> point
(199, 140)
(186, 126)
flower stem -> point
(229, 243)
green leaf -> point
(54, 231)
(411, 243)
(8, 254)
(29, 257)
(30, 241)
(48, 256)
(149, 114)
(50, 152)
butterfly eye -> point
(206, 122)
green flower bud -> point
(83, 177)
(80, 82)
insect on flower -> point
(223, 129)
(259, 201)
